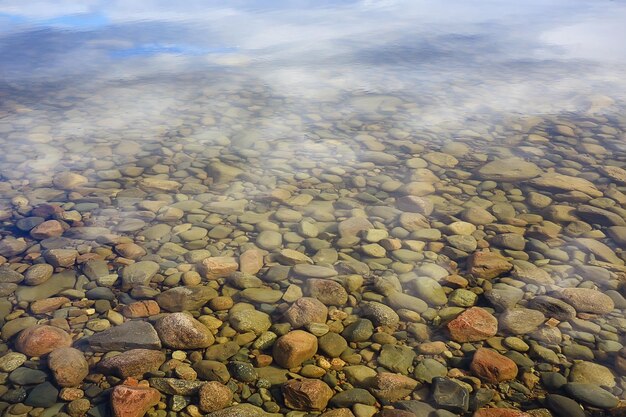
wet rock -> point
(396, 358)
(586, 300)
(306, 394)
(521, 320)
(392, 387)
(294, 348)
(352, 396)
(41, 339)
(509, 170)
(473, 325)
(27, 376)
(130, 335)
(43, 395)
(68, 366)
(173, 386)
(414, 204)
(140, 309)
(591, 373)
(592, 395)
(492, 367)
(47, 229)
(69, 180)
(450, 395)
(214, 396)
(133, 400)
(487, 265)
(249, 320)
(306, 310)
(558, 182)
(564, 407)
(38, 274)
(359, 331)
(138, 274)
(242, 410)
(10, 247)
(217, 267)
(552, 307)
(11, 361)
(500, 412)
(380, 314)
(182, 331)
(187, 298)
(332, 344)
(132, 363)
(327, 291)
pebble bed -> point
(219, 262)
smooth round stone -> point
(516, 343)
(269, 240)
(564, 407)
(592, 395)
(314, 271)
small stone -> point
(521, 320)
(492, 367)
(217, 267)
(11, 361)
(450, 395)
(133, 401)
(129, 335)
(587, 300)
(473, 325)
(487, 265)
(592, 373)
(145, 308)
(214, 396)
(182, 331)
(306, 394)
(47, 229)
(69, 180)
(38, 274)
(592, 395)
(306, 310)
(294, 348)
(187, 298)
(68, 365)
(132, 363)
(393, 387)
(41, 339)
(327, 291)
(396, 358)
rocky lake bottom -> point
(369, 267)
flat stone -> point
(586, 300)
(592, 395)
(450, 395)
(187, 298)
(57, 283)
(130, 335)
(509, 170)
(132, 363)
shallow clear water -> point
(388, 141)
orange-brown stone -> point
(41, 340)
(48, 304)
(487, 265)
(294, 348)
(473, 325)
(492, 367)
(145, 308)
(132, 400)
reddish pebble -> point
(47, 229)
(139, 309)
(133, 400)
(41, 340)
(492, 367)
(473, 325)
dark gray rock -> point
(130, 335)
(450, 395)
